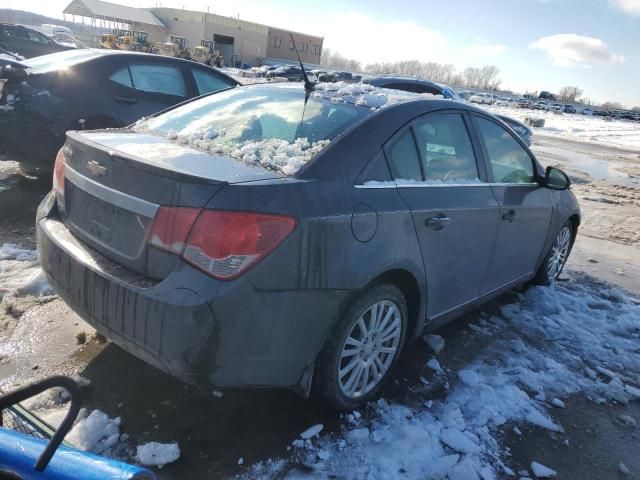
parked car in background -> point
(586, 111)
(482, 98)
(523, 103)
(330, 77)
(569, 109)
(556, 107)
(541, 105)
(87, 88)
(221, 258)
(292, 73)
(418, 85)
(504, 102)
(27, 42)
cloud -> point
(357, 35)
(570, 49)
(485, 48)
(629, 6)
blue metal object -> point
(31, 456)
(19, 453)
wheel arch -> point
(408, 284)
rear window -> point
(270, 126)
(60, 60)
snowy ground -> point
(535, 382)
(617, 133)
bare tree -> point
(336, 60)
(569, 94)
(484, 77)
(611, 106)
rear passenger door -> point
(454, 211)
(525, 206)
(139, 88)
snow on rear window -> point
(263, 125)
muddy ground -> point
(214, 433)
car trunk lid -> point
(116, 180)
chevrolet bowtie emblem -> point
(96, 169)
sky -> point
(536, 44)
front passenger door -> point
(455, 214)
(525, 206)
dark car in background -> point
(270, 235)
(27, 42)
(418, 85)
(87, 89)
(291, 73)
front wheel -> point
(557, 257)
(363, 349)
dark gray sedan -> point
(268, 236)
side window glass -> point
(123, 77)
(510, 163)
(403, 158)
(164, 79)
(34, 37)
(376, 170)
(445, 148)
(208, 82)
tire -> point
(348, 392)
(557, 256)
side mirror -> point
(556, 179)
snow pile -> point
(20, 273)
(155, 454)
(621, 133)
(22, 284)
(98, 433)
(569, 338)
(360, 94)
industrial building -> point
(239, 41)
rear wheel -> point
(363, 348)
(557, 257)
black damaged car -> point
(43, 97)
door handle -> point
(509, 217)
(438, 222)
(127, 100)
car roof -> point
(382, 79)
(83, 55)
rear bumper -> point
(193, 327)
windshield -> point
(266, 125)
(60, 60)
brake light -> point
(58, 179)
(223, 244)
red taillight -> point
(58, 179)
(171, 227)
(223, 244)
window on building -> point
(317, 50)
(276, 42)
(305, 47)
(291, 45)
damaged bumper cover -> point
(234, 335)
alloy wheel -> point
(369, 349)
(559, 252)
